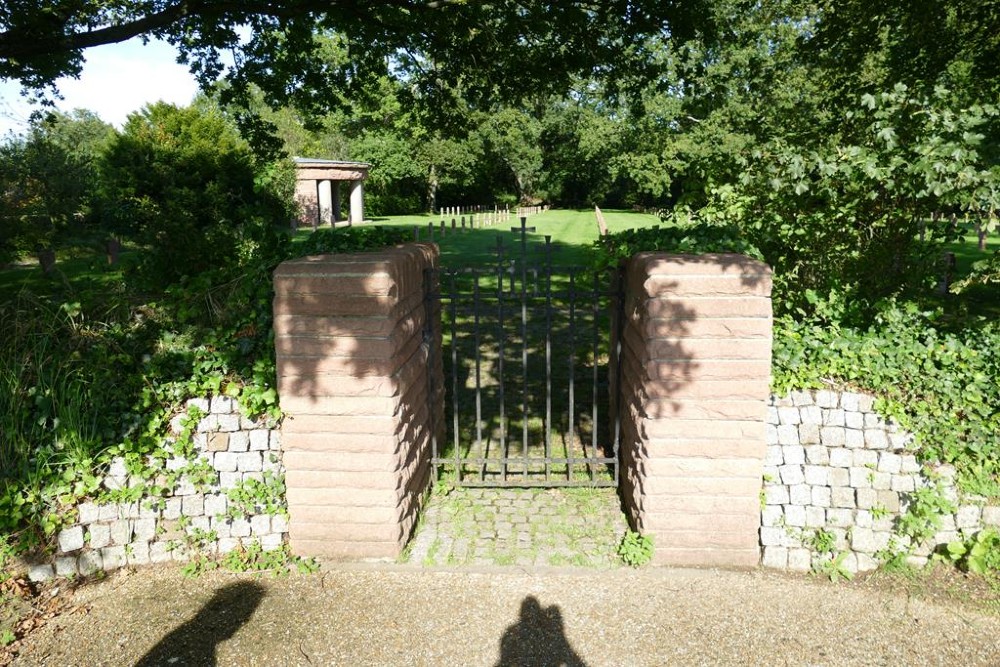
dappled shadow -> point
(537, 638)
(194, 643)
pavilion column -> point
(325, 202)
(336, 202)
(357, 202)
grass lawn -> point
(573, 231)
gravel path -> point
(400, 615)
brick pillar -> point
(354, 386)
(696, 362)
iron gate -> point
(528, 370)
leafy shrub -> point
(184, 185)
(940, 384)
(686, 237)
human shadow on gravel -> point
(194, 643)
(538, 638)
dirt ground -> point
(404, 615)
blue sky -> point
(117, 79)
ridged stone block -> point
(351, 334)
(695, 371)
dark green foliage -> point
(183, 185)
(941, 384)
(685, 238)
(83, 380)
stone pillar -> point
(326, 216)
(336, 202)
(695, 375)
(357, 202)
(307, 198)
(355, 386)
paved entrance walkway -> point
(527, 527)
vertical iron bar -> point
(454, 378)
(431, 340)
(593, 433)
(548, 355)
(479, 398)
(524, 352)
(500, 339)
(619, 309)
(570, 427)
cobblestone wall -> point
(196, 515)
(834, 464)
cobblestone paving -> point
(520, 527)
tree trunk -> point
(432, 186)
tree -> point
(50, 178)
(490, 50)
(182, 183)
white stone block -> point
(801, 398)
(817, 475)
(840, 477)
(772, 417)
(215, 504)
(193, 505)
(788, 416)
(41, 572)
(100, 535)
(159, 553)
(821, 496)
(66, 566)
(788, 435)
(809, 434)
(279, 523)
(817, 455)
(854, 439)
(799, 560)
(172, 508)
(90, 562)
(776, 495)
(866, 498)
(775, 557)
(849, 401)
(991, 516)
(271, 542)
(815, 517)
(773, 456)
(968, 517)
(832, 436)
(228, 423)
(811, 414)
(908, 464)
(87, 513)
(902, 484)
(800, 494)
(222, 405)
(259, 440)
(144, 530)
(863, 540)
(770, 515)
(865, 458)
(239, 441)
(854, 420)
(275, 441)
(108, 512)
(791, 474)
(833, 418)
(842, 497)
(227, 544)
(770, 434)
(793, 455)
(208, 424)
(873, 421)
(841, 458)
(113, 557)
(827, 399)
(842, 518)
(882, 481)
(889, 462)
(70, 539)
(229, 480)
(795, 515)
(864, 519)
(222, 526)
(260, 524)
(226, 462)
(240, 528)
(876, 439)
(772, 536)
(862, 478)
(866, 563)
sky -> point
(117, 79)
